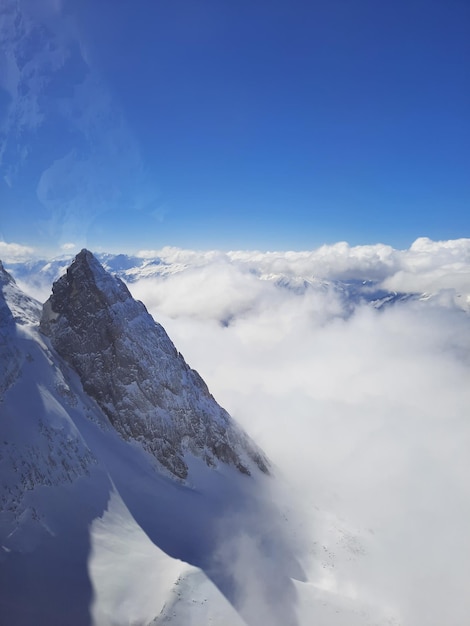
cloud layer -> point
(365, 411)
(14, 252)
(425, 265)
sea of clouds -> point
(363, 411)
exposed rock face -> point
(128, 364)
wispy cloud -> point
(15, 252)
(56, 98)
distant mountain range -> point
(39, 274)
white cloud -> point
(68, 246)
(426, 265)
(366, 414)
(15, 252)
(433, 265)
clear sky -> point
(271, 124)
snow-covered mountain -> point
(127, 363)
(129, 496)
(100, 413)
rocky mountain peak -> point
(85, 289)
(128, 364)
(86, 269)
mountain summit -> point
(120, 471)
(130, 367)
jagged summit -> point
(86, 273)
(86, 267)
(86, 259)
(128, 364)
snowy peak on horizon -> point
(129, 366)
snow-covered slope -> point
(50, 478)
(68, 456)
(135, 582)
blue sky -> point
(234, 124)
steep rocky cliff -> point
(128, 364)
